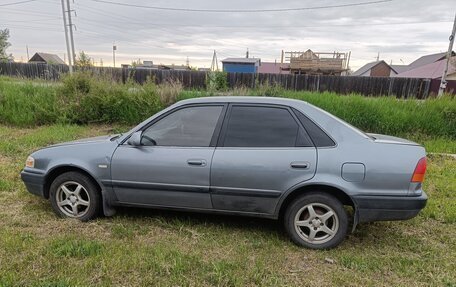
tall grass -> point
(78, 99)
(412, 118)
(432, 117)
(83, 99)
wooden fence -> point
(189, 79)
(368, 86)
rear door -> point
(262, 152)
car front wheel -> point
(74, 195)
(316, 221)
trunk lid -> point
(379, 138)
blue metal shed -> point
(241, 65)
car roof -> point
(244, 99)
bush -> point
(217, 81)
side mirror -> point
(135, 139)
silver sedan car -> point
(252, 156)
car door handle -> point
(199, 162)
(300, 164)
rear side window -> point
(319, 137)
(250, 126)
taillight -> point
(420, 170)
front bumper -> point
(379, 208)
(34, 181)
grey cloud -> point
(164, 36)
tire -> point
(324, 228)
(75, 195)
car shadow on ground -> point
(364, 233)
(203, 219)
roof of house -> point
(427, 59)
(399, 68)
(366, 68)
(273, 68)
(241, 60)
(431, 71)
(46, 57)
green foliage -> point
(268, 90)
(75, 247)
(83, 61)
(81, 98)
(169, 92)
(416, 119)
(4, 44)
(217, 81)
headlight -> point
(30, 162)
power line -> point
(23, 27)
(164, 25)
(34, 20)
(16, 3)
(243, 10)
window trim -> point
(215, 134)
(222, 135)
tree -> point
(134, 64)
(4, 44)
(83, 60)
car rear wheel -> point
(316, 221)
(74, 195)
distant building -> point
(428, 66)
(375, 69)
(427, 59)
(399, 68)
(316, 63)
(241, 65)
(273, 68)
(149, 65)
(46, 58)
(433, 70)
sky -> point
(398, 30)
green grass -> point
(82, 99)
(432, 118)
(157, 248)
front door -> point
(263, 152)
(172, 166)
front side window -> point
(188, 127)
(250, 126)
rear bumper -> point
(378, 208)
(34, 182)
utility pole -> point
(214, 65)
(443, 81)
(114, 48)
(65, 26)
(28, 58)
(70, 24)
